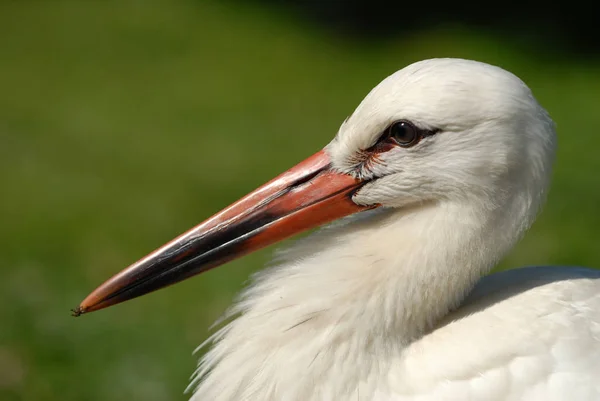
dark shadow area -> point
(550, 26)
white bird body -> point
(362, 310)
(389, 304)
(343, 322)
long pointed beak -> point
(306, 196)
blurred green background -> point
(122, 124)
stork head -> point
(441, 130)
(446, 129)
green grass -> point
(122, 125)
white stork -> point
(448, 162)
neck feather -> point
(341, 302)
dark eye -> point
(404, 133)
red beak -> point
(306, 196)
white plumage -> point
(366, 309)
(448, 162)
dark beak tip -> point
(76, 312)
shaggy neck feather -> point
(368, 285)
